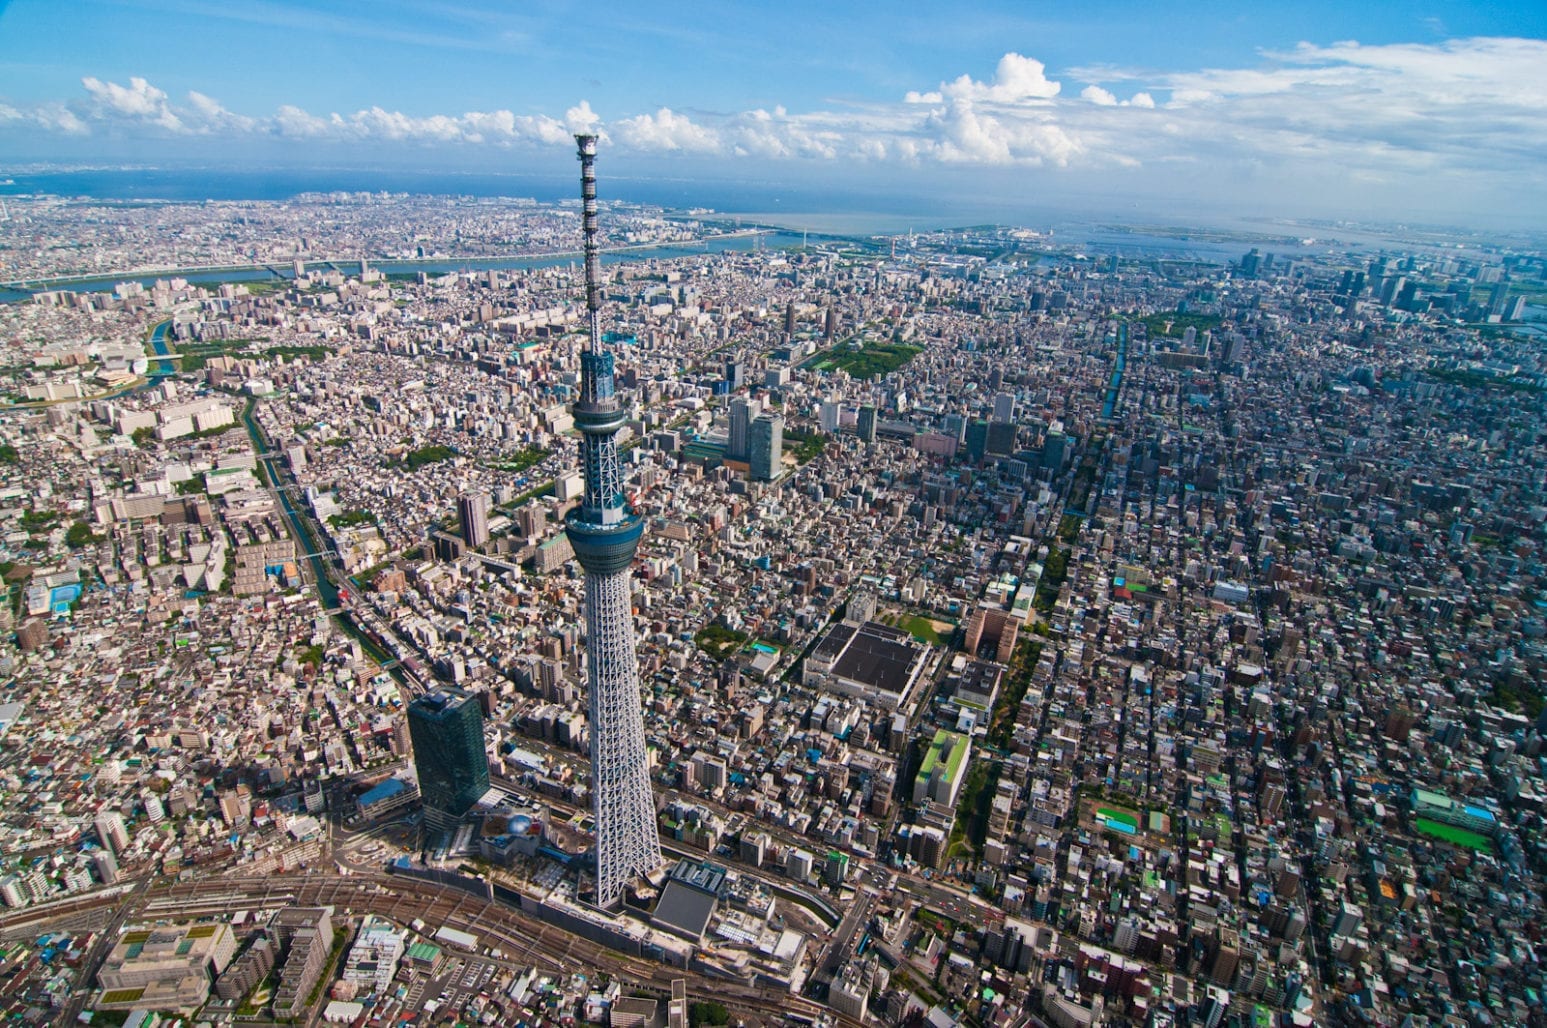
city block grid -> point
(1025, 636)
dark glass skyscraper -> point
(977, 439)
(866, 428)
(765, 447)
(447, 733)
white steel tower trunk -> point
(604, 532)
(626, 841)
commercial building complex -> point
(449, 755)
(165, 967)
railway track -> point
(522, 941)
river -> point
(745, 241)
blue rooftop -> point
(386, 790)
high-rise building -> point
(743, 413)
(837, 867)
(736, 374)
(1004, 406)
(1227, 958)
(1054, 449)
(1001, 438)
(531, 521)
(106, 866)
(449, 754)
(1349, 917)
(866, 426)
(1497, 298)
(765, 445)
(604, 532)
(473, 512)
(112, 832)
(977, 439)
(955, 427)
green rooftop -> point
(424, 951)
(948, 746)
(1454, 835)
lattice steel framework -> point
(604, 532)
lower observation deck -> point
(604, 549)
(595, 419)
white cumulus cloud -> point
(50, 117)
(1017, 79)
(777, 135)
(294, 123)
(207, 115)
(1106, 98)
(580, 118)
(1461, 111)
(139, 100)
(666, 130)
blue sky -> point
(1422, 111)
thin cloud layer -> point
(1469, 106)
(1464, 105)
(1106, 98)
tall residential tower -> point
(473, 513)
(604, 532)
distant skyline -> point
(1422, 112)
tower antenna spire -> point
(604, 532)
(592, 249)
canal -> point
(305, 538)
(309, 541)
(1119, 366)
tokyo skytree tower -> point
(604, 532)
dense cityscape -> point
(1027, 634)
